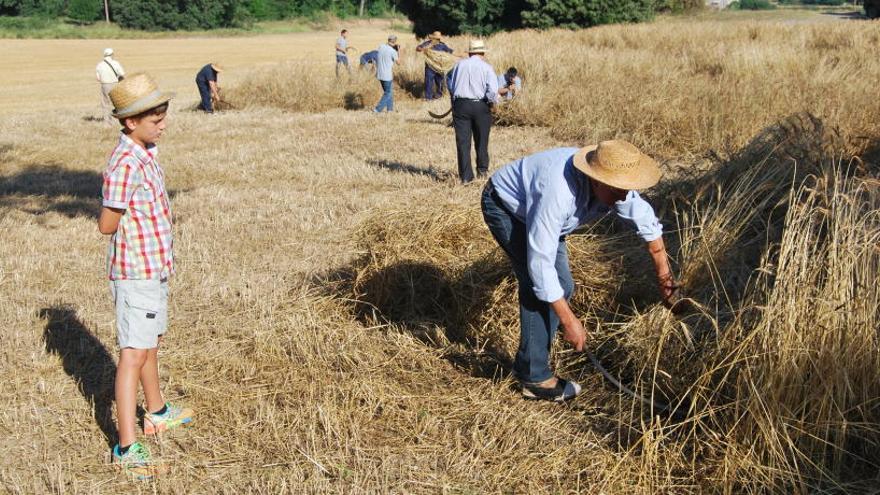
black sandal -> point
(563, 391)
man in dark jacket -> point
(206, 80)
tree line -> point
(450, 16)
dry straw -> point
(772, 378)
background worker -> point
(530, 205)
(209, 89)
(342, 52)
(433, 79)
(509, 84)
(369, 58)
(474, 88)
(387, 56)
(108, 72)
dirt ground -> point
(39, 75)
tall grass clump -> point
(680, 89)
(303, 87)
(770, 384)
(675, 88)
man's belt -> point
(456, 98)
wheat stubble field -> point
(342, 323)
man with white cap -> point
(474, 88)
(108, 72)
(530, 205)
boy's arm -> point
(108, 222)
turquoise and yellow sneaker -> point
(173, 417)
(137, 462)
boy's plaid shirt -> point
(134, 182)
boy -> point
(137, 215)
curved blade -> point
(440, 115)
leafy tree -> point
(85, 10)
(154, 15)
(460, 16)
(574, 14)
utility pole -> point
(107, 10)
(360, 10)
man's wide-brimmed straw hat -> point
(477, 46)
(618, 164)
(136, 94)
(217, 67)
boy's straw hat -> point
(392, 38)
(477, 46)
(136, 94)
(618, 164)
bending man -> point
(209, 90)
(530, 205)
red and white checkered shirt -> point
(134, 182)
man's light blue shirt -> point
(547, 193)
(473, 78)
(385, 59)
(502, 83)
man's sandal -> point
(563, 391)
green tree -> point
(461, 16)
(155, 15)
(85, 10)
(574, 14)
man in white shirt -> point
(342, 52)
(386, 58)
(474, 88)
(108, 72)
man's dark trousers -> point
(205, 93)
(433, 84)
(471, 118)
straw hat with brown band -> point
(618, 164)
(477, 46)
(137, 94)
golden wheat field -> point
(342, 322)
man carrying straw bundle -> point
(433, 78)
(474, 88)
(530, 205)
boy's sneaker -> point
(136, 462)
(174, 416)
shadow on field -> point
(86, 360)
(353, 101)
(39, 189)
(852, 15)
(73, 193)
(433, 173)
(415, 88)
(420, 299)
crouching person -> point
(137, 215)
(530, 205)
